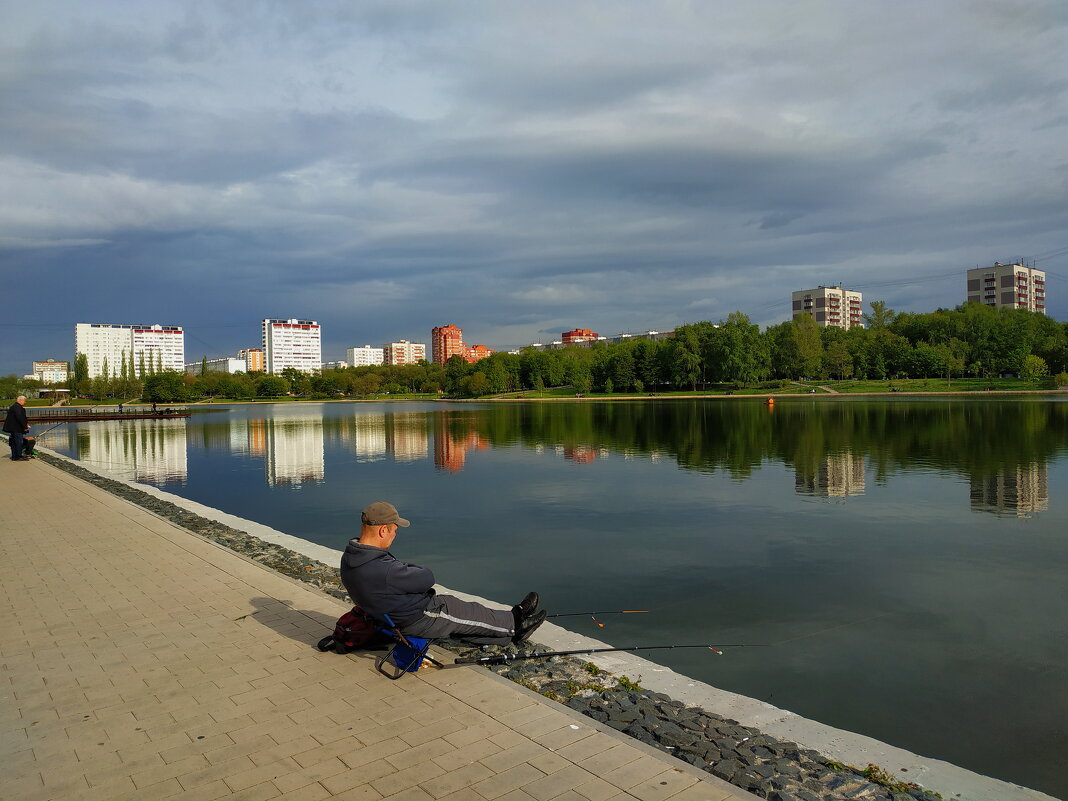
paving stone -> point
(215, 692)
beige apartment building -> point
(253, 359)
(1008, 286)
(403, 352)
(830, 305)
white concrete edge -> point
(838, 744)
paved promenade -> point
(138, 661)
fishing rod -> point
(593, 615)
(502, 659)
(614, 612)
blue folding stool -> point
(405, 655)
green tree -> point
(623, 369)
(164, 387)
(880, 318)
(1034, 368)
(686, 365)
(496, 375)
(740, 350)
(455, 372)
(293, 377)
(953, 354)
(838, 361)
(204, 365)
(808, 345)
(924, 361)
(476, 384)
(80, 376)
(271, 386)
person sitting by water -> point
(17, 427)
(383, 585)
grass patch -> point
(884, 778)
(940, 385)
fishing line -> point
(593, 615)
(502, 659)
(832, 628)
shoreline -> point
(643, 397)
(752, 744)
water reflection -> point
(838, 475)
(152, 451)
(1012, 492)
(407, 436)
(294, 451)
(834, 450)
(455, 433)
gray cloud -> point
(385, 167)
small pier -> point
(37, 415)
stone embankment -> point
(763, 765)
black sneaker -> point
(527, 606)
(528, 627)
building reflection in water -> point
(581, 454)
(1019, 491)
(407, 437)
(836, 475)
(450, 453)
(367, 437)
(151, 451)
(257, 437)
(454, 436)
(293, 449)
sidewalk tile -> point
(216, 691)
(504, 782)
(456, 779)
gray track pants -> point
(448, 616)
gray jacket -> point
(383, 585)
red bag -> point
(354, 630)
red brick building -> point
(446, 341)
(476, 352)
(578, 335)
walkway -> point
(139, 661)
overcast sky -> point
(517, 169)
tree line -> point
(970, 340)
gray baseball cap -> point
(381, 513)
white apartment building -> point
(51, 371)
(365, 356)
(339, 365)
(1009, 286)
(403, 352)
(292, 343)
(148, 348)
(830, 305)
(227, 364)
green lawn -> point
(724, 389)
(940, 385)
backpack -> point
(354, 630)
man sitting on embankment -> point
(383, 585)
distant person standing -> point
(17, 427)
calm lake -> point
(909, 558)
